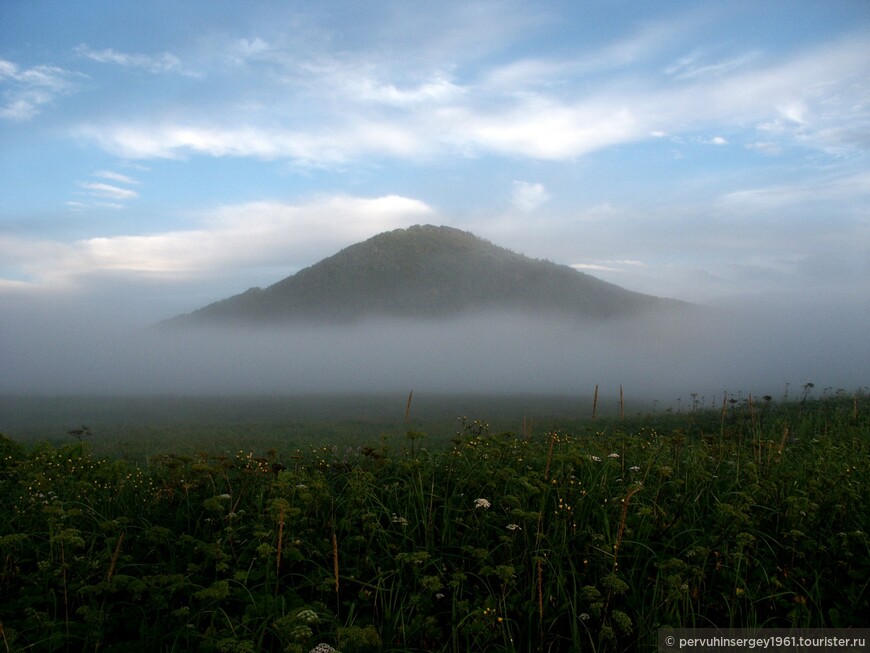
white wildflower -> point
(322, 648)
(634, 468)
(399, 520)
(482, 503)
(613, 455)
(514, 527)
(595, 459)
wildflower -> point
(482, 503)
(322, 648)
(613, 455)
(225, 497)
(399, 520)
(308, 616)
(514, 527)
(584, 616)
(595, 459)
(634, 468)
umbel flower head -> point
(481, 503)
(322, 648)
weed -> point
(752, 515)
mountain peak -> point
(426, 271)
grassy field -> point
(234, 526)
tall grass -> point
(582, 539)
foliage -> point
(755, 515)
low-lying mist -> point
(755, 347)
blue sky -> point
(158, 157)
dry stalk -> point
(595, 402)
(622, 520)
(782, 443)
(65, 597)
(549, 456)
(115, 556)
(540, 590)
(408, 405)
(280, 544)
(3, 635)
(335, 560)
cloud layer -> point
(257, 234)
(802, 99)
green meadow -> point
(425, 524)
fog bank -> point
(755, 346)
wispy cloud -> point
(593, 267)
(27, 90)
(438, 89)
(115, 176)
(698, 65)
(375, 108)
(326, 146)
(850, 188)
(527, 196)
(160, 63)
(610, 265)
(109, 191)
(99, 194)
(550, 130)
(229, 240)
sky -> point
(156, 157)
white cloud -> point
(108, 191)
(230, 239)
(534, 108)
(693, 66)
(853, 189)
(162, 63)
(246, 48)
(544, 129)
(329, 146)
(437, 90)
(593, 267)
(115, 176)
(527, 196)
(26, 90)
(610, 265)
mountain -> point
(426, 272)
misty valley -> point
(429, 443)
(436, 327)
